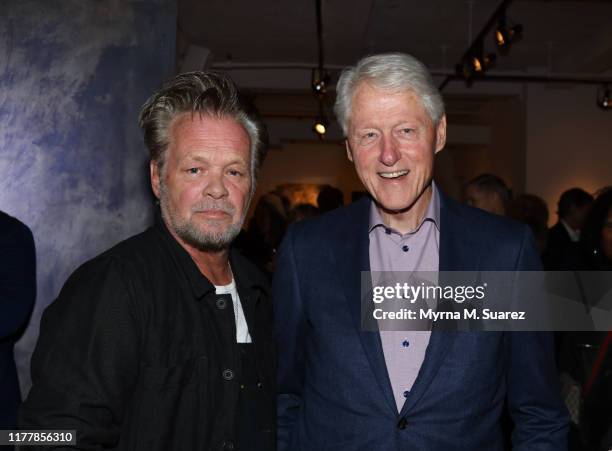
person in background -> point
(602, 190)
(580, 350)
(573, 207)
(17, 295)
(531, 210)
(265, 231)
(164, 342)
(487, 192)
(329, 199)
(302, 211)
(596, 237)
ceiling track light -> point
(476, 63)
(320, 126)
(604, 100)
(321, 123)
(504, 37)
(480, 63)
(319, 81)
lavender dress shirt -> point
(417, 250)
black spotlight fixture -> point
(321, 123)
(476, 63)
(480, 64)
(604, 100)
(504, 36)
(319, 81)
(469, 68)
(320, 126)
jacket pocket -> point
(173, 407)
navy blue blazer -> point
(17, 293)
(334, 390)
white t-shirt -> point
(242, 329)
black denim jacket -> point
(138, 352)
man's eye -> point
(407, 131)
(234, 172)
(193, 170)
(368, 137)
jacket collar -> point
(248, 279)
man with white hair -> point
(345, 388)
(164, 341)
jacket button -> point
(227, 445)
(401, 424)
(221, 303)
(228, 374)
(259, 385)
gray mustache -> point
(225, 207)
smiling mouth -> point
(393, 175)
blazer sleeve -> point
(534, 396)
(17, 277)
(290, 336)
(85, 363)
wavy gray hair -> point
(207, 93)
(389, 71)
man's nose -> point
(389, 153)
(215, 187)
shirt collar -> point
(573, 234)
(431, 214)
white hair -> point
(389, 71)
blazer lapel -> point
(354, 258)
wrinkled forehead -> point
(208, 135)
(370, 99)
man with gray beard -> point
(164, 342)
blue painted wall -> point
(73, 74)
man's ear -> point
(441, 134)
(155, 175)
(349, 154)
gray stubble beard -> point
(189, 232)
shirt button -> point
(405, 248)
(406, 393)
(405, 343)
(387, 231)
(221, 303)
(228, 374)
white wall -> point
(569, 141)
